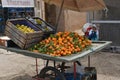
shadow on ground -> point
(23, 77)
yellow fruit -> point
(24, 28)
(38, 21)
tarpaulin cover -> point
(79, 5)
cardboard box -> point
(4, 41)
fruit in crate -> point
(62, 44)
(25, 29)
(38, 21)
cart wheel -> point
(51, 73)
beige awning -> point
(79, 5)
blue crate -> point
(20, 9)
(89, 74)
(70, 76)
(11, 10)
(2, 28)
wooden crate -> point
(43, 25)
(23, 40)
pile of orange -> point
(62, 44)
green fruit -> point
(38, 21)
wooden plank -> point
(33, 40)
(13, 28)
(34, 34)
(15, 34)
(23, 45)
(15, 40)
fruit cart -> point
(32, 41)
(58, 73)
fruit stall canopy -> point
(17, 3)
(79, 5)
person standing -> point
(93, 33)
(86, 29)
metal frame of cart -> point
(96, 46)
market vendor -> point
(93, 33)
(86, 29)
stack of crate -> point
(23, 40)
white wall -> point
(39, 9)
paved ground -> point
(18, 67)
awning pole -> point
(59, 14)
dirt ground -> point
(107, 65)
(19, 67)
